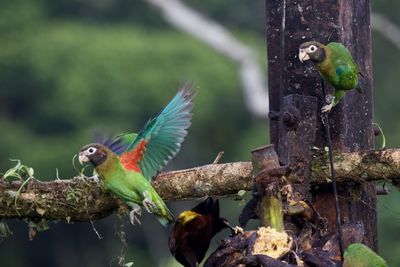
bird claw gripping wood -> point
(135, 213)
(329, 99)
(237, 230)
(234, 230)
(148, 204)
(95, 178)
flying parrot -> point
(192, 233)
(335, 65)
(126, 163)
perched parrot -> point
(192, 233)
(126, 163)
(359, 255)
(336, 66)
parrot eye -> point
(91, 150)
(313, 48)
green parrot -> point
(359, 255)
(336, 66)
(126, 163)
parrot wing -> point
(119, 144)
(161, 138)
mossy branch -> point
(81, 199)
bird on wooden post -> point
(126, 163)
(335, 65)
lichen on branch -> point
(82, 199)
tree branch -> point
(81, 199)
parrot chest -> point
(127, 185)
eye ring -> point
(313, 48)
(91, 150)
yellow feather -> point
(187, 216)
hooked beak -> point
(83, 158)
(303, 56)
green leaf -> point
(383, 146)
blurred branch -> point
(82, 199)
(388, 29)
(215, 35)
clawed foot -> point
(95, 178)
(327, 108)
(134, 215)
(148, 204)
(330, 100)
(237, 230)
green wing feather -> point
(165, 133)
(346, 69)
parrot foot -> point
(95, 178)
(134, 215)
(327, 108)
(330, 100)
(148, 204)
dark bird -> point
(192, 233)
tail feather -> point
(165, 219)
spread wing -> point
(120, 143)
(161, 138)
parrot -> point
(335, 65)
(192, 232)
(359, 255)
(126, 163)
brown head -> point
(95, 153)
(313, 51)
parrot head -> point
(312, 50)
(95, 153)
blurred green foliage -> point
(69, 69)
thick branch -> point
(81, 199)
(359, 166)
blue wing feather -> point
(166, 132)
(120, 143)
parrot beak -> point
(303, 56)
(82, 158)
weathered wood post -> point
(290, 23)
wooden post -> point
(290, 23)
(270, 206)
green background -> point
(69, 69)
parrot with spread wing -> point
(126, 163)
(192, 233)
(336, 66)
